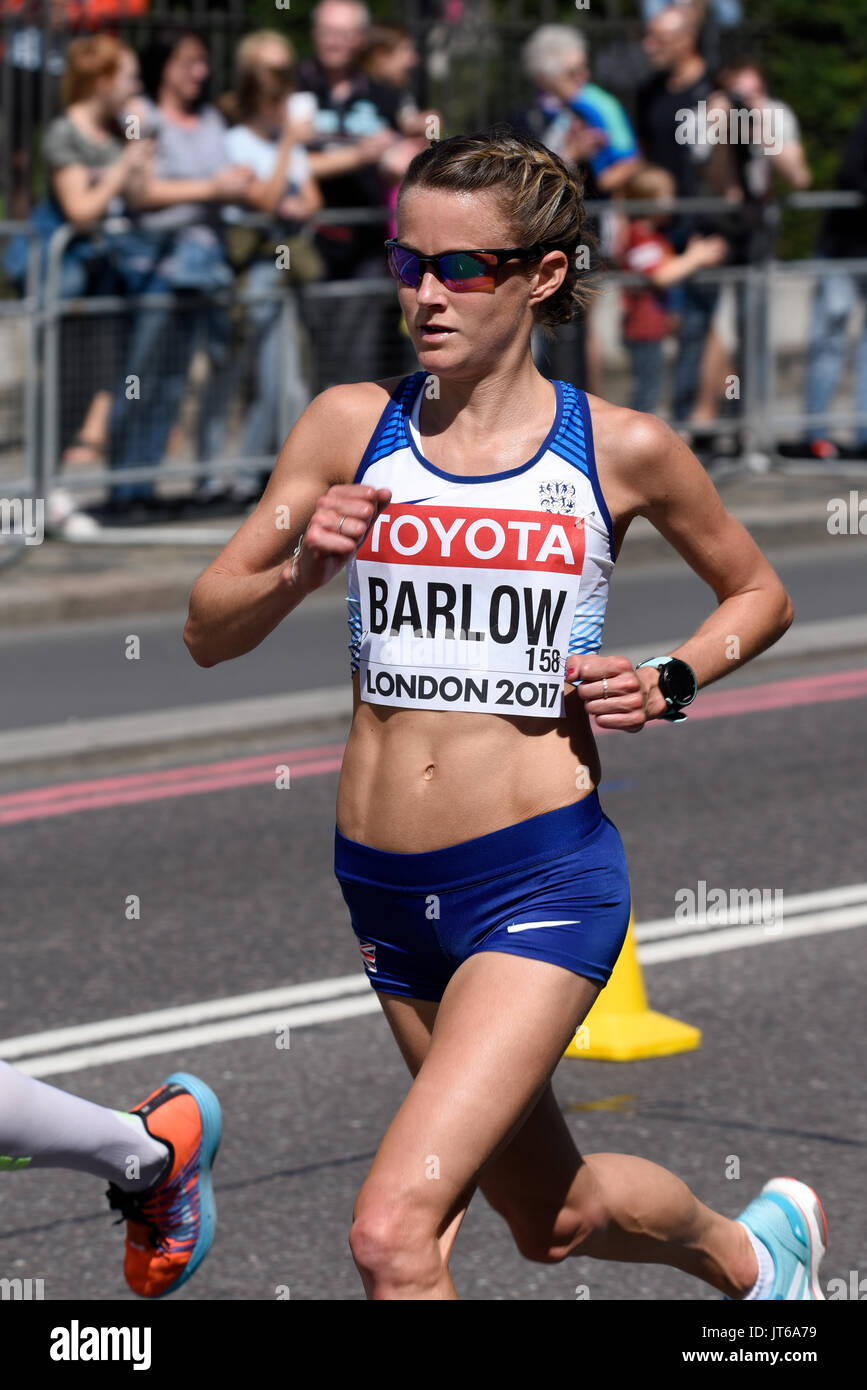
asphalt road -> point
(80, 670)
(237, 894)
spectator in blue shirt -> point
(576, 119)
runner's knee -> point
(392, 1240)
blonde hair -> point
(539, 196)
(247, 50)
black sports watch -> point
(677, 682)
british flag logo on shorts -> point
(368, 955)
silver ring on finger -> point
(605, 687)
(340, 523)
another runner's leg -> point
(43, 1127)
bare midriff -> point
(417, 780)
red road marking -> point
(805, 690)
(69, 797)
(175, 774)
(95, 799)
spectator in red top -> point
(645, 250)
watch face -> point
(677, 682)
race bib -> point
(467, 608)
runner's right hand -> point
(324, 549)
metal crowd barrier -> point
(322, 302)
(18, 450)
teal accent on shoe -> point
(212, 1130)
(777, 1221)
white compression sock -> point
(42, 1127)
(765, 1280)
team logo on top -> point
(557, 497)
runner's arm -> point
(248, 589)
(680, 501)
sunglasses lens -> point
(464, 272)
(459, 270)
(403, 265)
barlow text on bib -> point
(468, 608)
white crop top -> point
(469, 592)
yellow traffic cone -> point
(620, 1027)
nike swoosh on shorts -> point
(530, 926)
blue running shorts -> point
(554, 887)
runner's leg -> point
(500, 1031)
(606, 1206)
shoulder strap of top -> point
(391, 432)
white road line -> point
(286, 996)
(830, 898)
(250, 1027)
(304, 1005)
(732, 938)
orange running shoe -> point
(170, 1226)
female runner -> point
(480, 508)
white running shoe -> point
(787, 1217)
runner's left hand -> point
(633, 696)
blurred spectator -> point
(33, 55)
(778, 150)
(644, 250)
(713, 17)
(264, 140)
(389, 58)
(682, 84)
(728, 13)
(94, 173)
(836, 294)
(571, 115)
(586, 126)
(176, 247)
(356, 121)
(268, 49)
(773, 149)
